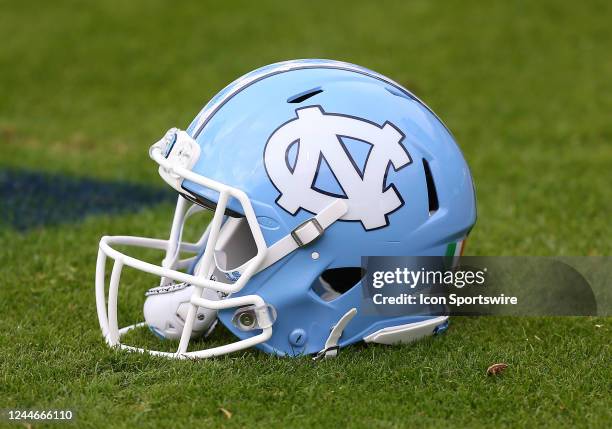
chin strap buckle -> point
(331, 345)
(307, 232)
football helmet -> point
(307, 166)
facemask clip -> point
(254, 317)
(179, 151)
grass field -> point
(85, 88)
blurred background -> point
(86, 87)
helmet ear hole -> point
(335, 282)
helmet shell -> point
(233, 130)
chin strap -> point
(305, 233)
(331, 345)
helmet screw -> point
(246, 319)
(297, 337)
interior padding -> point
(235, 245)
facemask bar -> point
(108, 317)
(176, 154)
(181, 214)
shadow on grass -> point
(30, 199)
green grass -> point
(525, 87)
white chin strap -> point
(305, 233)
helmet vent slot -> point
(432, 194)
(303, 96)
(335, 282)
(397, 93)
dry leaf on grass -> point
(225, 412)
(496, 368)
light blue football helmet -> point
(308, 166)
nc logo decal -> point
(318, 135)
